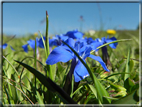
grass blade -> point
(127, 70)
(21, 92)
(44, 45)
(48, 83)
(72, 85)
(51, 75)
(11, 65)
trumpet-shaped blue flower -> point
(57, 40)
(105, 55)
(63, 54)
(5, 45)
(31, 43)
(75, 34)
(107, 40)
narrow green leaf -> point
(44, 45)
(101, 91)
(93, 90)
(47, 47)
(48, 83)
(35, 53)
(39, 98)
(21, 92)
(53, 73)
(72, 85)
(115, 74)
(122, 40)
(112, 98)
(7, 94)
(127, 70)
(46, 35)
(134, 38)
(131, 66)
(76, 90)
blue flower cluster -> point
(62, 53)
(83, 46)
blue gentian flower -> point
(31, 43)
(75, 34)
(93, 43)
(105, 55)
(25, 47)
(63, 54)
(107, 40)
(5, 45)
(57, 40)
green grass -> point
(121, 83)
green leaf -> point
(93, 90)
(7, 95)
(72, 85)
(47, 47)
(53, 69)
(39, 98)
(129, 99)
(48, 83)
(44, 45)
(101, 91)
(128, 84)
(76, 90)
(127, 69)
(115, 74)
(131, 66)
(121, 91)
(12, 67)
(20, 91)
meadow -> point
(28, 79)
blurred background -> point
(22, 19)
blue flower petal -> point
(4, 45)
(52, 42)
(97, 58)
(59, 54)
(41, 45)
(25, 47)
(12, 48)
(95, 45)
(70, 42)
(32, 43)
(75, 34)
(62, 37)
(112, 45)
(80, 72)
(89, 40)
